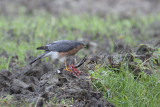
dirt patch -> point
(39, 84)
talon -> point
(72, 69)
(66, 68)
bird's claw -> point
(67, 69)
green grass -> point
(123, 90)
(22, 34)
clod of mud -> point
(144, 49)
(5, 81)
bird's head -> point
(82, 45)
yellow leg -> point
(66, 68)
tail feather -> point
(42, 48)
(39, 57)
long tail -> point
(39, 57)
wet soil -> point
(39, 84)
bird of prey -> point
(60, 50)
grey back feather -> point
(62, 45)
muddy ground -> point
(40, 84)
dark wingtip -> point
(42, 48)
